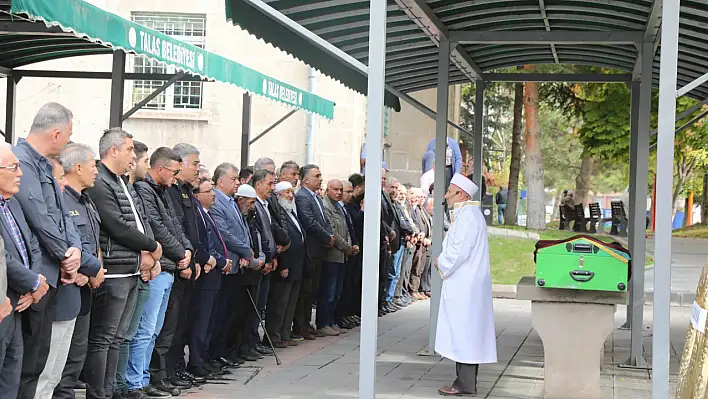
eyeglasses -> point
(175, 172)
(206, 192)
(11, 168)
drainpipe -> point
(309, 141)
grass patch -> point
(512, 258)
(696, 231)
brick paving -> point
(328, 368)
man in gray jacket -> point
(334, 260)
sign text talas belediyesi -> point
(167, 50)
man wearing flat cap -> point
(465, 329)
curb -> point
(677, 299)
(495, 231)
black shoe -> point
(196, 380)
(296, 337)
(153, 392)
(381, 313)
(248, 357)
(199, 372)
(255, 353)
(212, 369)
(264, 350)
(166, 386)
(119, 394)
(226, 362)
(137, 394)
(179, 382)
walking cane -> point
(260, 321)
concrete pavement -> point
(688, 258)
(328, 368)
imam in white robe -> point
(465, 329)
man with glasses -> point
(177, 253)
(207, 287)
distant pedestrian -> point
(501, 199)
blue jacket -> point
(231, 228)
(41, 202)
(209, 235)
(456, 156)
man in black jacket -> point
(173, 338)
(391, 229)
(129, 251)
(177, 253)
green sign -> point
(100, 26)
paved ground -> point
(689, 256)
(328, 368)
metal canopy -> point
(553, 32)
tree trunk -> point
(513, 189)
(556, 205)
(536, 218)
(582, 181)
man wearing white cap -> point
(465, 329)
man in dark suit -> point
(391, 225)
(343, 311)
(25, 284)
(207, 287)
(285, 284)
(310, 211)
(274, 239)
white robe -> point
(465, 329)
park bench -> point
(580, 224)
(567, 214)
(595, 217)
(619, 219)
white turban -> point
(464, 184)
(282, 186)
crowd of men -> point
(113, 267)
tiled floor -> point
(328, 368)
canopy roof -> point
(75, 27)
(414, 26)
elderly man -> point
(78, 167)
(334, 261)
(465, 330)
(207, 287)
(232, 300)
(40, 199)
(25, 283)
(285, 284)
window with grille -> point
(180, 95)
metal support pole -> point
(638, 223)
(10, 107)
(117, 89)
(245, 130)
(372, 198)
(152, 95)
(274, 125)
(664, 207)
(478, 144)
(439, 192)
(634, 129)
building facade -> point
(209, 115)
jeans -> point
(111, 313)
(395, 273)
(500, 213)
(143, 295)
(331, 281)
(153, 315)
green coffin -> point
(582, 263)
(100, 26)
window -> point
(180, 95)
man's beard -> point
(289, 206)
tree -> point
(515, 167)
(690, 152)
(536, 217)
